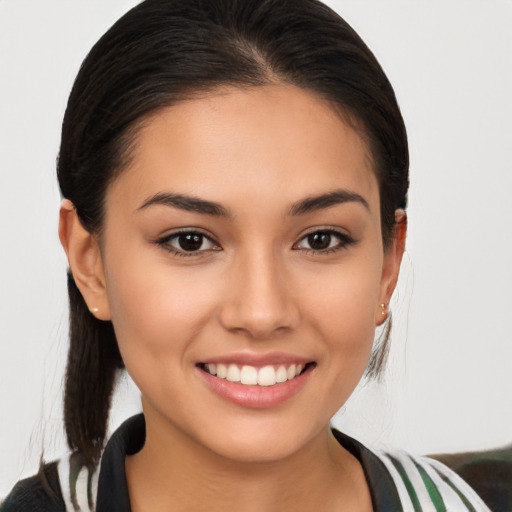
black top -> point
(392, 480)
(129, 439)
(42, 492)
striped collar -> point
(397, 482)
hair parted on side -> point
(163, 51)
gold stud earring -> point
(383, 307)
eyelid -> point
(344, 239)
(324, 229)
(165, 241)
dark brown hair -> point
(164, 50)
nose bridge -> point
(259, 301)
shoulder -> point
(489, 472)
(40, 492)
(400, 481)
(424, 482)
(61, 486)
(70, 485)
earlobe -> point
(84, 258)
(391, 267)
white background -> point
(448, 385)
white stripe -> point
(81, 489)
(462, 486)
(63, 467)
(417, 482)
(63, 471)
(451, 499)
(405, 499)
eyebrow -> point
(202, 206)
(188, 203)
(335, 197)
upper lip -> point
(252, 359)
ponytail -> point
(93, 361)
(380, 352)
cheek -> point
(347, 293)
(342, 308)
(155, 310)
(345, 319)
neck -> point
(174, 472)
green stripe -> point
(89, 491)
(459, 493)
(408, 484)
(433, 492)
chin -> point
(262, 441)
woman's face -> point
(244, 239)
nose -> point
(259, 301)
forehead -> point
(277, 138)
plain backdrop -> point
(449, 378)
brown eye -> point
(190, 241)
(186, 243)
(324, 241)
(320, 240)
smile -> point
(268, 375)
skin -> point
(256, 288)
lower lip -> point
(256, 397)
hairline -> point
(127, 142)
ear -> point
(85, 263)
(391, 266)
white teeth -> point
(233, 374)
(267, 376)
(281, 374)
(222, 371)
(251, 376)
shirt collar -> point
(129, 438)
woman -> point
(235, 178)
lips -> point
(248, 375)
(256, 382)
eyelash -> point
(165, 243)
(344, 241)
